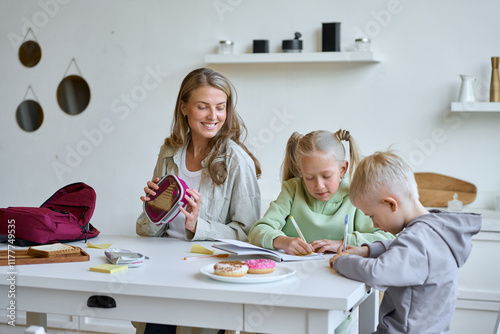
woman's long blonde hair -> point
(321, 141)
(233, 127)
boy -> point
(418, 270)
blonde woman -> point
(205, 150)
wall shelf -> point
(306, 57)
(475, 106)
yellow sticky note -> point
(109, 268)
(100, 246)
(201, 250)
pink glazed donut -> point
(260, 266)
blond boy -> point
(418, 270)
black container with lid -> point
(331, 36)
(292, 45)
(260, 46)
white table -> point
(168, 289)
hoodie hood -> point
(455, 228)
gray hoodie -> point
(418, 271)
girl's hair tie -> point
(343, 135)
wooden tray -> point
(22, 257)
(435, 190)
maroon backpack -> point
(63, 217)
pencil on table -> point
(205, 256)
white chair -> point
(497, 325)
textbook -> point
(244, 248)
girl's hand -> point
(292, 246)
(324, 245)
(192, 209)
(150, 189)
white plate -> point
(281, 272)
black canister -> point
(260, 46)
(331, 36)
(292, 45)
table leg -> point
(368, 313)
(36, 319)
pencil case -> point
(165, 205)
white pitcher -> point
(467, 88)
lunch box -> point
(165, 205)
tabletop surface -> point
(167, 275)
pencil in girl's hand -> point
(298, 229)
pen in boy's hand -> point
(346, 228)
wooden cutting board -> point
(22, 257)
(436, 190)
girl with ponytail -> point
(315, 192)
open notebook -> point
(244, 248)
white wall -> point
(402, 101)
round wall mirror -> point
(30, 53)
(29, 115)
(73, 94)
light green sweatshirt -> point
(316, 219)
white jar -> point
(226, 47)
(362, 44)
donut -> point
(230, 268)
(260, 266)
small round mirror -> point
(30, 53)
(73, 94)
(29, 115)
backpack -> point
(63, 217)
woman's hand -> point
(324, 245)
(150, 189)
(293, 246)
(192, 209)
(363, 251)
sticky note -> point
(100, 246)
(108, 268)
(201, 250)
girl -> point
(315, 193)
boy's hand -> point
(363, 251)
(332, 260)
(293, 246)
(324, 245)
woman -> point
(204, 150)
